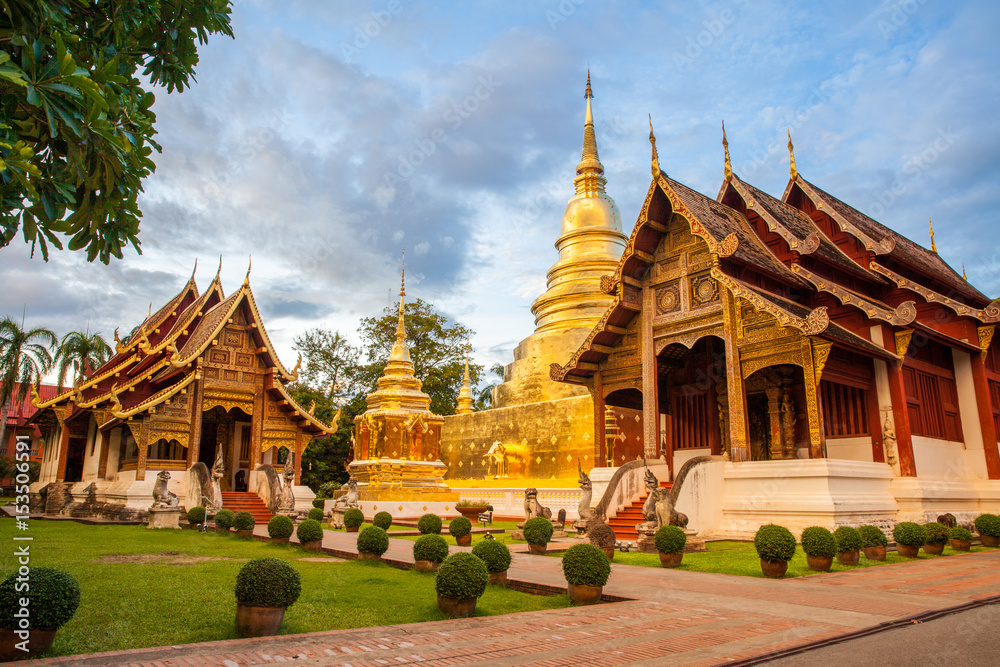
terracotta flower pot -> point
(537, 549)
(609, 552)
(315, 545)
(425, 565)
(819, 563)
(907, 551)
(961, 545)
(584, 594)
(774, 570)
(850, 557)
(39, 641)
(464, 540)
(471, 513)
(363, 555)
(934, 548)
(456, 608)
(875, 553)
(351, 529)
(280, 540)
(990, 541)
(258, 621)
(671, 560)
(498, 578)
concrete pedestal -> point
(165, 517)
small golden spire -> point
(464, 402)
(725, 145)
(400, 351)
(933, 245)
(655, 167)
(964, 277)
(589, 173)
(793, 172)
(246, 279)
(588, 93)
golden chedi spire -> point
(398, 389)
(792, 171)
(725, 146)
(590, 244)
(464, 402)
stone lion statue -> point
(162, 496)
(346, 502)
(666, 515)
(532, 507)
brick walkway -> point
(671, 617)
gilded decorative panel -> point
(668, 299)
(218, 356)
(704, 290)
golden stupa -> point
(398, 457)
(538, 428)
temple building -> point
(840, 372)
(197, 380)
(539, 428)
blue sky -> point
(329, 136)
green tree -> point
(81, 352)
(76, 123)
(437, 350)
(325, 459)
(25, 356)
(331, 362)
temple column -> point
(143, 443)
(102, 464)
(194, 439)
(739, 448)
(985, 413)
(600, 423)
(63, 450)
(650, 403)
(901, 418)
(257, 424)
(874, 424)
(774, 419)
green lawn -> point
(743, 560)
(152, 588)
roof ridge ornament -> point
(792, 171)
(246, 279)
(933, 245)
(655, 166)
(725, 146)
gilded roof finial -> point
(218, 271)
(964, 277)
(246, 279)
(725, 145)
(793, 172)
(655, 167)
(194, 271)
(933, 245)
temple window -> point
(128, 450)
(931, 394)
(845, 410)
(163, 450)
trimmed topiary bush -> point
(818, 541)
(430, 547)
(460, 527)
(280, 527)
(52, 600)
(494, 553)
(224, 519)
(910, 534)
(872, 536)
(848, 539)
(585, 565)
(463, 576)
(601, 535)
(268, 582)
(309, 530)
(244, 521)
(319, 503)
(373, 540)
(316, 514)
(774, 543)
(669, 540)
(958, 533)
(383, 520)
(196, 515)
(428, 524)
(936, 533)
(539, 531)
(353, 517)
(988, 525)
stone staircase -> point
(624, 522)
(238, 501)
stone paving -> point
(669, 617)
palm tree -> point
(25, 356)
(83, 352)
